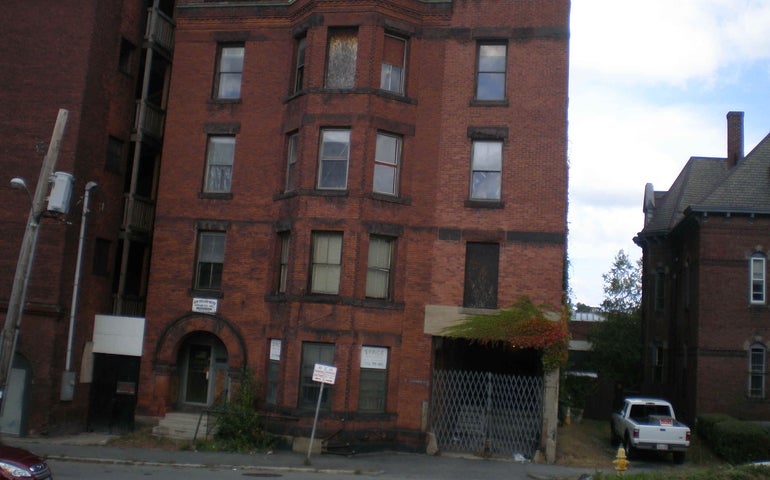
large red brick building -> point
(340, 181)
(704, 301)
(106, 62)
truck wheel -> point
(629, 448)
(678, 458)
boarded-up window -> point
(481, 269)
(341, 58)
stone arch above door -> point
(170, 340)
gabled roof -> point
(745, 188)
(695, 181)
(707, 185)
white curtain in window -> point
(378, 271)
(220, 164)
(327, 259)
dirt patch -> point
(587, 444)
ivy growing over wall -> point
(522, 326)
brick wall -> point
(433, 117)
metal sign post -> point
(323, 374)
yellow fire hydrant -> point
(621, 463)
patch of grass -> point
(144, 438)
(710, 473)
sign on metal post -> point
(323, 374)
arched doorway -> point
(203, 372)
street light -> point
(19, 184)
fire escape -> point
(133, 259)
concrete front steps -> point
(182, 426)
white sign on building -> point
(204, 305)
(374, 357)
(275, 349)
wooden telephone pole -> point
(17, 300)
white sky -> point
(650, 86)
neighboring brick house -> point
(705, 307)
(340, 181)
(98, 60)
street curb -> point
(115, 461)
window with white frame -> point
(299, 72)
(341, 58)
(219, 164)
(229, 72)
(393, 64)
(335, 154)
(757, 366)
(291, 161)
(373, 383)
(313, 353)
(211, 257)
(490, 77)
(758, 276)
(386, 164)
(326, 263)
(378, 270)
(486, 170)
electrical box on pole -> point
(61, 193)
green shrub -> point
(239, 426)
(706, 423)
(716, 473)
(740, 442)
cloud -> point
(650, 85)
(666, 42)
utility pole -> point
(17, 300)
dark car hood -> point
(18, 456)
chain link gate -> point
(482, 412)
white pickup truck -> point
(649, 424)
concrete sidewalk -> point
(94, 448)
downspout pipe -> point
(74, 304)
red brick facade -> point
(708, 314)
(62, 55)
(430, 220)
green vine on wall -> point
(522, 326)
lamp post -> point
(17, 300)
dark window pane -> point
(481, 270)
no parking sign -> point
(324, 373)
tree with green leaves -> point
(617, 342)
